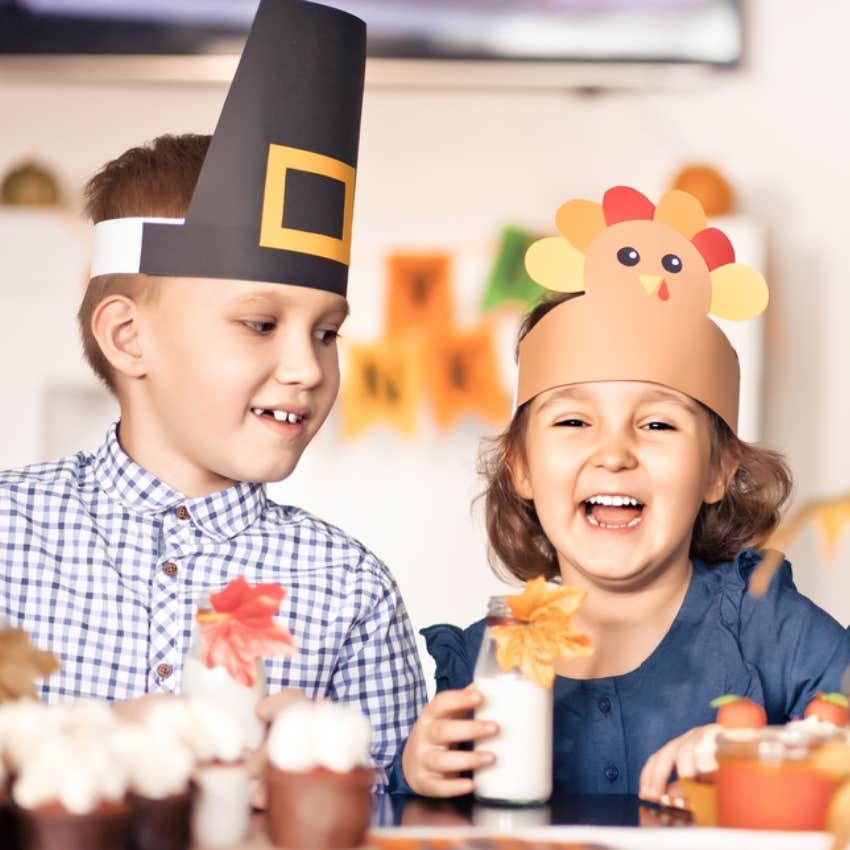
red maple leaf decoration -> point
(241, 628)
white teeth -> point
(284, 416)
(279, 415)
(614, 501)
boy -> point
(217, 334)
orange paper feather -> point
(544, 633)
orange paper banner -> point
(383, 384)
(463, 376)
(419, 295)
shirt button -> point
(604, 705)
(611, 773)
(170, 569)
(182, 512)
(164, 670)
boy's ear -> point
(115, 326)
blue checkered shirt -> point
(103, 564)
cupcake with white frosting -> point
(318, 761)
(159, 769)
(70, 792)
(218, 744)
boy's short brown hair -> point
(745, 516)
(155, 179)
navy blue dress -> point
(778, 650)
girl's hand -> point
(679, 754)
(430, 763)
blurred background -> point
(481, 117)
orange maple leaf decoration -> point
(241, 628)
(544, 634)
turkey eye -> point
(628, 256)
(672, 263)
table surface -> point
(594, 822)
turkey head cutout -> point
(627, 249)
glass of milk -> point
(217, 684)
(522, 772)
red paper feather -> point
(622, 203)
(241, 628)
(715, 247)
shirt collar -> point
(220, 515)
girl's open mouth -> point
(613, 511)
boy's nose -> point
(297, 364)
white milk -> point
(221, 813)
(509, 818)
(522, 772)
(240, 701)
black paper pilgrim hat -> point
(275, 197)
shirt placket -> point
(169, 604)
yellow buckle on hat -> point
(272, 232)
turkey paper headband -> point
(650, 275)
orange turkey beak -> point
(650, 283)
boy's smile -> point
(237, 378)
(617, 472)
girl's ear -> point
(520, 476)
(115, 326)
(721, 478)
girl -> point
(621, 474)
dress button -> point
(170, 569)
(164, 670)
(611, 773)
(604, 705)
(182, 512)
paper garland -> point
(422, 355)
(419, 296)
(463, 377)
(508, 281)
(383, 384)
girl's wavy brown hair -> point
(745, 516)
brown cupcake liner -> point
(53, 828)
(319, 809)
(161, 824)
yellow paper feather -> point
(544, 633)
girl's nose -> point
(614, 453)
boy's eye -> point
(658, 426)
(327, 336)
(571, 422)
(260, 327)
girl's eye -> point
(658, 426)
(262, 328)
(327, 336)
(571, 422)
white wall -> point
(451, 164)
